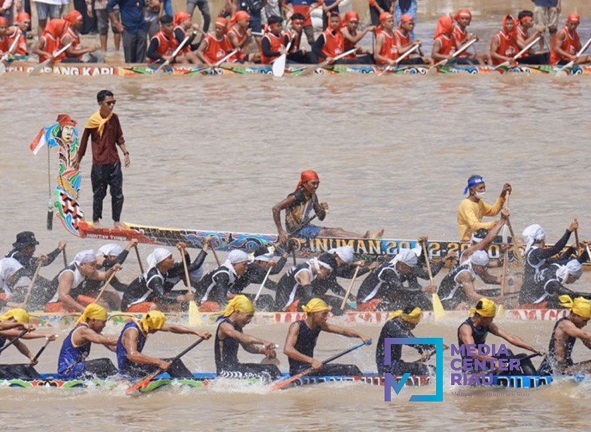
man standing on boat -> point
(475, 329)
(400, 325)
(301, 206)
(473, 208)
(104, 129)
(72, 363)
(229, 336)
(564, 335)
(303, 335)
(132, 362)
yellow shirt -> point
(470, 216)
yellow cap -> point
(487, 308)
(315, 305)
(579, 306)
(94, 311)
(413, 317)
(19, 315)
(153, 320)
(239, 303)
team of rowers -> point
(300, 343)
(180, 41)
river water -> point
(393, 152)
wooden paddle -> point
(65, 257)
(35, 275)
(21, 334)
(577, 242)
(399, 59)
(143, 383)
(139, 259)
(310, 69)
(350, 288)
(519, 54)
(279, 64)
(47, 340)
(256, 297)
(500, 311)
(569, 65)
(285, 382)
(51, 59)
(463, 48)
(174, 54)
(224, 59)
(437, 305)
(193, 309)
(7, 55)
(98, 297)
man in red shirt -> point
(104, 129)
(567, 44)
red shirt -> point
(507, 47)
(104, 149)
(216, 49)
(571, 44)
(389, 47)
(334, 43)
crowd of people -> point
(151, 32)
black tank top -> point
(226, 351)
(570, 344)
(305, 344)
(478, 333)
(451, 292)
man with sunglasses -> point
(104, 129)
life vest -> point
(334, 43)
(242, 38)
(166, 44)
(276, 42)
(389, 47)
(186, 49)
(460, 37)
(447, 45)
(401, 40)
(507, 46)
(216, 49)
(75, 39)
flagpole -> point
(50, 203)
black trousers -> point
(102, 176)
(88, 24)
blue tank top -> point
(478, 333)
(305, 344)
(70, 363)
(122, 360)
(226, 351)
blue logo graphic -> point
(389, 381)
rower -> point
(19, 30)
(400, 325)
(462, 19)
(132, 362)
(256, 273)
(239, 36)
(153, 289)
(295, 286)
(212, 291)
(386, 50)
(10, 271)
(353, 37)
(457, 290)
(503, 45)
(229, 335)
(107, 256)
(537, 257)
(72, 363)
(12, 323)
(404, 42)
(564, 335)
(303, 335)
(299, 206)
(443, 41)
(473, 208)
(23, 250)
(330, 43)
(274, 42)
(50, 40)
(475, 329)
(164, 43)
(567, 44)
(182, 26)
(71, 295)
(214, 48)
(550, 283)
(383, 288)
(531, 57)
(78, 53)
(297, 54)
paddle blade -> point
(2, 68)
(279, 66)
(286, 382)
(500, 312)
(142, 383)
(194, 315)
(438, 307)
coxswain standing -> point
(302, 338)
(133, 363)
(72, 362)
(564, 335)
(230, 335)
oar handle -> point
(527, 47)
(428, 263)
(47, 340)
(262, 285)
(98, 297)
(348, 293)
(35, 275)
(64, 255)
(139, 259)
(577, 241)
(225, 58)
(21, 334)
(186, 268)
